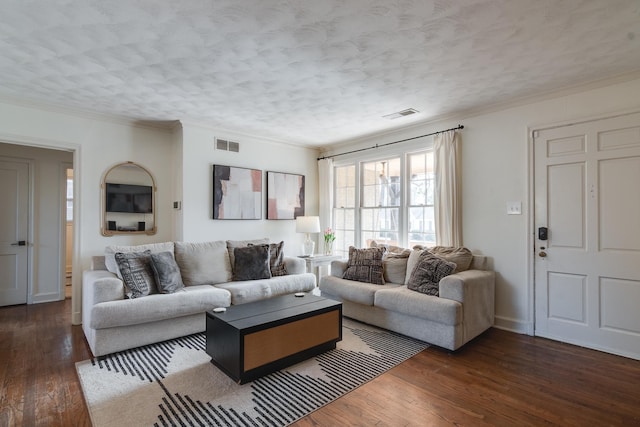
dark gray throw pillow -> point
(137, 276)
(426, 275)
(252, 263)
(166, 272)
(365, 265)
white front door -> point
(587, 273)
(14, 210)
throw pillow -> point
(365, 265)
(166, 272)
(136, 273)
(276, 259)
(252, 263)
(462, 257)
(425, 277)
(110, 251)
(390, 248)
(394, 266)
(203, 263)
(232, 244)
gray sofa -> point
(462, 311)
(112, 322)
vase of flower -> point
(329, 237)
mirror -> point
(128, 200)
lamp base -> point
(307, 247)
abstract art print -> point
(237, 193)
(285, 195)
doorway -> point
(587, 234)
(68, 227)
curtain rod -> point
(389, 143)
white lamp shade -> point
(308, 224)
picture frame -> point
(285, 195)
(237, 192)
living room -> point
(497, 162)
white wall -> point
(495, 157)
(97, 144)
(47, 233)
(198, 157)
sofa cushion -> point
(254, 290)
(394, 266)
(232, 244)
(403, 300)
(426, 275)
(462, 257)
(252, 263)
(185, 302)
(110, 251)
(166, 272)
(349, 290)
(390, 248)
(203, 263)
(365, 265)
(412, 261)
(137, 275)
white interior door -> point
(587, 274)
(14, 209)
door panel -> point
(587, 274)
(14, 193)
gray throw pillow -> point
(137, 276)
(252, 263)
(394, 266)
(276, 259)
(426, 275)
(365, 265)
(166, 272)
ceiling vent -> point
(403, 113)
(225, 145)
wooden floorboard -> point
(501, 379)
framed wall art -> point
(237, 193)
(285, 195)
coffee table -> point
(251, 340)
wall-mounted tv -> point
(129, 198)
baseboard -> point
(513, 325)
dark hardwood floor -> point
(501, 378)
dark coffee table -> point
(251, 340)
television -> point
(129, 198)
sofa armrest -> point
(100, 286)
(295, 265)
(338, 268)
(475, 289)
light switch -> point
(514, 208)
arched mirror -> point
(128, 200)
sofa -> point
(114, 319)
(462, 309)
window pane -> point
(69, 210)
(421, 226)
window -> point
(371, 203)
(380, 201)
(344, 208)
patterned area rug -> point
(175, 383)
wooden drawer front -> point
(272, 344)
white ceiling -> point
(302, 71)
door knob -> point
(542, 254)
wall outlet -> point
(514, 208)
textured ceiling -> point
(307, 72)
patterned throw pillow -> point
(365, 265)
(277, 266)
(135, 268)
(166, 272)
(252, 263)
(426, 275)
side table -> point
(318, 261)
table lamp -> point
(308, 225)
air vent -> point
(223, 144)
(403, 113)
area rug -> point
(175, 383)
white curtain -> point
(448, 214)
(325, 189)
